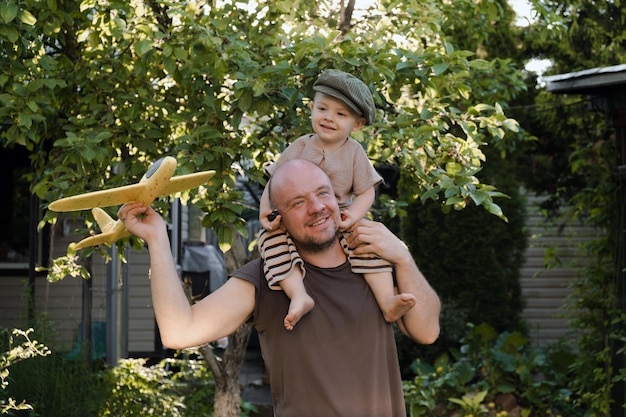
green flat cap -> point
(350, 90)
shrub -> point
(58, 387)
(139, 390)
(15, 346)
(453, 324)
(502, 371)
(471, 256)
(174, 387)
(54, 385)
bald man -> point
(341, 359)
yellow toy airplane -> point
(157, 181)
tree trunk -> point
(227, 388)
(345, 16)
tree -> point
(578, 34)
(109, 86)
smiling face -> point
(332, 120)
(305, 199)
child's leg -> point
(301, 302)
(391, 304)
(284, 270)
(377, 273)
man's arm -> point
(421, 323)
(182, 325)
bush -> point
(15, 346)
(453, 325)
(140, 390)
(58, 387)
(492, 375)
(55, 386)
(471, 256)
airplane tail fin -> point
(105, 222)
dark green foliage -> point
(56, 387)
(574, 163)
(453, 324)
(472, 257)
(171, 388)
(578, 34)
(494, 364)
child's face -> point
(332, 120)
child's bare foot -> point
(298, 307)
(397, 306)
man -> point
(341, 359)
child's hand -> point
(270, 220)
(347, 220)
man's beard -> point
(313, 246)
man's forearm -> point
(421, 322)
(171, 307)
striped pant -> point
(280, 257)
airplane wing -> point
(102, 198)
(186, 182)
(107, 238)
(111, 231)
(128, 193)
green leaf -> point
(426, 128)
(88, 154)
(10, 33)
(24, 120)
(32, 105)
(432, 193)
(8, 12)
(245, 101)
(440, 68)
(225, 238)
(143, 47)
(300, 53)
(27, 18)
(453, 168)
(258, 88)
(495, 209)
(483, 107)
(511, 125)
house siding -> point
(62, 301)
(545, 290)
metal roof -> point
(586, 81)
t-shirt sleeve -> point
(365, 175)
(250, 272)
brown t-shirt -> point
(348, 167)
(340, 360)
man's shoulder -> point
(251, 272)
